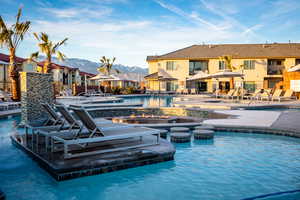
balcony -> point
(275, 69)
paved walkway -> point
(246, 118)
(288, 120)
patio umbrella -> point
(225, 74)
(296, 68)
(200, 75)
(100, 77)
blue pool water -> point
(231, 166)
(152, 101)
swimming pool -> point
(232, 166)
(150, 101)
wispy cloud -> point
(216, 9)
(281, 7)
(77, 12)
(193, 16)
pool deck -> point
(63, 169)
(205, 102)
(274, 122)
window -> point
(222, 65)
(249, 64)
(249, 86)
(198, 66)
(171, 66)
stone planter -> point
(203, 134)
(180, 137)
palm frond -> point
(34, 55)
(60, 56)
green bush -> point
(116, 90)
(130, 90)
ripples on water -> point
(232, 166)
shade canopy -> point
(161, 75)
(200, 75)
(295, 68)
(100, 77)
(3, 63)
(226, 74)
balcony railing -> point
(275, 69)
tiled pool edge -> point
(94, 170)
(261, 130)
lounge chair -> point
(185, 91)
(99, 135)
(236, 93)
(253, 96)
(193, 91)
(229, 94)
(55, 118)
(276, 95)
(288, 95)
(266, 95)
(179, 91)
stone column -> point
(36, 88)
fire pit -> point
(151, 119)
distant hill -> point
(89, 66)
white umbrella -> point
(198, 76)
(100, 77)
(226, 74)
(295, 68)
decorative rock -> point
(203, 134)
(2, 196)
(179, 129)
(180, 137)
(204, 127)
(163, 133)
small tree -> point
(11, 37)
(106, 65)
(48, 48)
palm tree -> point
(106, 65)
(48, 48)
(228, 62)
(11, 37)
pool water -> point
(231, 166)
(150, 101)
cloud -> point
(218, 10)
(77, 12)
(281, 7)
(193, 16)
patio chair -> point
(236, 93)
(193, 91)
(179, 91)
(266, 95)
(254, 95)
(54, 119)
(185, 91)
(99, 135)
(288, 95)
(276, 95)
(229, 94)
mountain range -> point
(91, 67)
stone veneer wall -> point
(36, 88)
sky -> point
(130, 30)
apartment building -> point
(64, 77)
(262, 66)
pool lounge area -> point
(230, 166)
(252, 155)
